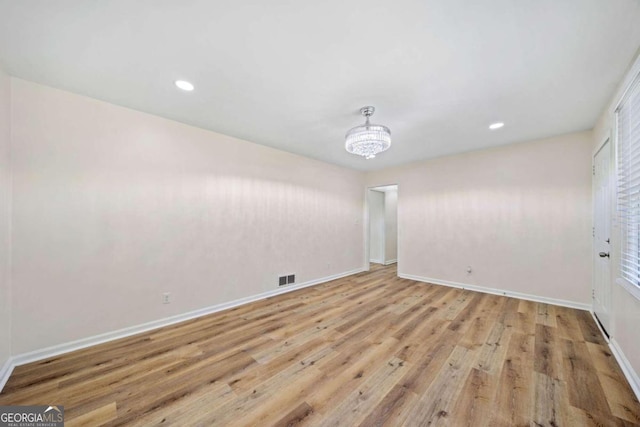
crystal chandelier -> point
(368, 140)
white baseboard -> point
(376, 261)
(630, 374)
(56, 350)
(5, 372)
(391, 261)
(627, 369)
(21, 359)
(495, 291)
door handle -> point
(604, 254)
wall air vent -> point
(286, 280)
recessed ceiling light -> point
(495, 126)
(184, 85)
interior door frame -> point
(606, 139)
(367, 226)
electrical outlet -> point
(166, 297)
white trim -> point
(366, 225)
(495, 291)
(12, 362)
(7, 368)
(625, 85)
(599, 325)
(629, 287)
(56, 350)
(5, 372)
(391, 261)
(365, 230)
(376, 261)
(627, 369)
(610, 206)
(607, 138)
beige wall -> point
(5, 201)
(625, 309)
(113, 207)
(519, 215)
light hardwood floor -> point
(371, 350)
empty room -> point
(334, 213)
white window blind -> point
(628, 133)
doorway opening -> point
(382, 233)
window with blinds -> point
(628, 136)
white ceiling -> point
(293, 74)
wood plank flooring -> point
(367, 350)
